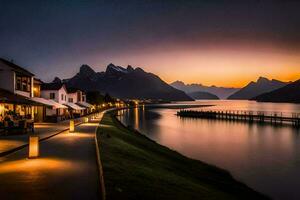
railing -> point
(241, 115)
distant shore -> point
(170, 106)
(135, 167)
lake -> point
(265, 157)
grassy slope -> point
(135, 167)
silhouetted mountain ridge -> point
(220, 92)
(127, 82)
(253, 89)
(202, 95)
(287, 94)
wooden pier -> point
(247, 116)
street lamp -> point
(72, 126)
(33, 147)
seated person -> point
(9, 120)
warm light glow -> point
(72, 126)
(2, 109)
(86, 119)
(33, 167)
(231, 66)
(136, 102)
(136, 118)
(33, 147)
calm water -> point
(265, 157)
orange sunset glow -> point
(149, 99)
(231, 67)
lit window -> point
(23, 83)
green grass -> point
(136, 167)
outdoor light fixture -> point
(2, 109)
(86, 120)
(33, 147)
(72, 126)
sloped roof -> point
(84, 104)
(72, 90)
(38, 81)
(48, 102)
(74, 106)
(16, 68)
(9, 97)
(52, 86)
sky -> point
(223, 43)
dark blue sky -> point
(53, 38)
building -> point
(55, 93)
(15, 79)
(24, 96)
(16, 85)
(78, 97)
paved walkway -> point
(66, 169)
(9, 142)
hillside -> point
(133, 83)
(136, 168)
(202, 95)
(221, 92)
(288, 94)
(253, 89)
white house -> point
(76, 96)
(56, 93)
(16, 85)
(15, 79)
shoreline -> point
(223, 184)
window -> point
(65, 97)
(62, 97)
(71, 100)
(23, 83)
(83, 99)
(18, 82)
(52, 95)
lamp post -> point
(33, 147)
(72, 126)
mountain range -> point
(220, 92)
(288, 94)
(120, 82)
(253, 89)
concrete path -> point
(10, 142)
(66, 169)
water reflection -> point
(265, 157)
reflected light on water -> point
(136, 117)
(264, 156)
